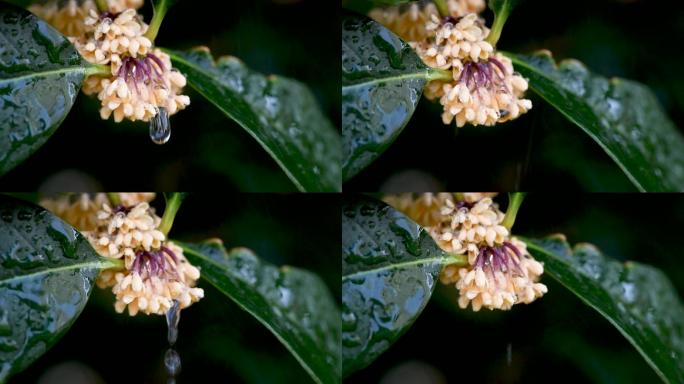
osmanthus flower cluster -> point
(483, 88)
(140, 80)
(155, 272)
(499, 271)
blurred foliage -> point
(541, 148)
(558, 333)
(217, 340)
(296, 39)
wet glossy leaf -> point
(389, 269)
(40, 76)
(622, 116)
(382, 81)
(47, 270)
(637, 299)
(280, 113)
(294, 304)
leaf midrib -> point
(100, 264)
(263, 322)
(60, 71)
(441, 260)
(379, 80)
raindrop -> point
(160, 127)
(172, 362)
(172, 319)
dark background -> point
(293, 38)
(639, 40)
(218, 342)
(556, 339)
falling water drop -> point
(172, 319)
(172, 362)
(160, 127)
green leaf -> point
(40, 76)
(637, 299)
(382, 81)
(47, 270)
(389, 269)
(294, 304)
(622, 116)
(281, 114)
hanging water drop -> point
(172, 319)
(160, 127)
(172, 360)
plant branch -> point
(98, 69)
(173, 203)
(442, 7)
(102, 5)
(114, 198)
(515, 199)
(502, 9)
(160, 8)
(439, 74)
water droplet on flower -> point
(172, 319)
(160, 127)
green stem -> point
(459, 260)
(98, 69)
(114, 198)
(173, 202)
(115, 263)
(102, 5)
(515, 199)
(499, 21)
(439, 74)
(442, 7)
(160, 9)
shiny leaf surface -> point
(382, 81)
(622, 116)
(280, 113)
(389, 269)
(47, 270)
(637, 299)
(40, 76)
(294, 304)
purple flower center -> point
(122, 208)
(142, 70)
(464, 204)
(488, 74)
(155, 263)
(108, 15)
(451, 20)
(504, 258)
